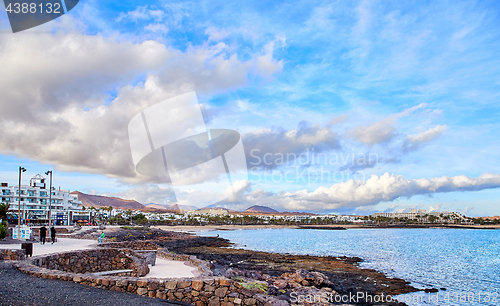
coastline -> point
(275, 274)
(343, 274)
(225, 227)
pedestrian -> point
(52, 234)
(101, 238)
(43, 233)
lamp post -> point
(21, 170)
(50, 196)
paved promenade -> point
(163, 269)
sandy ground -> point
(163, 268)
(171, 269)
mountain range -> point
(261, 210)
(89, 200)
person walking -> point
(53, 234)
(101, 238)
(43, 234)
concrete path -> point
(163, 269)
(62, 245)
(171, 269)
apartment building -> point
(421, 213)
(65, 208)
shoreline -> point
(277, 272)
(225, 227)
(343, 273)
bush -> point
(3, 232)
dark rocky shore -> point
(276, 274)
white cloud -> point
(381, 131)
(54, 104)
(428, 135)
(268, 149)
(435, 208)
(216, 34)
(157, 27)
(141, 12)
(377, 189)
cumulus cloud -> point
(272, 148)
(382, 131)
(377, 189)
(413, 142)
(61, 103)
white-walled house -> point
(65, 208)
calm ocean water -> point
(465, 262)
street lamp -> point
(50, 196)
(21, 170)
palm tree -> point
(4, 208)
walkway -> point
(163, 269)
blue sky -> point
(416, 84)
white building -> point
(65, 207)
(421, 214)
(208, 212)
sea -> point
(466, 262)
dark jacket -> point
(52, 232)
(43, 231)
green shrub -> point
(255, 285)
(3, 232)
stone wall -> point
(133, 245)
(89, 261)
(200, 291)
(12, 254)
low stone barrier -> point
(6, 254)
(199, 292)
(88, 261)
(204, 290)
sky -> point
(349, 107)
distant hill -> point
(89, 200)
(260, 209)
(155, 206)
(173, 207)
(491, 218)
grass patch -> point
(238, 279)
(136, 228)
(255, 285)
